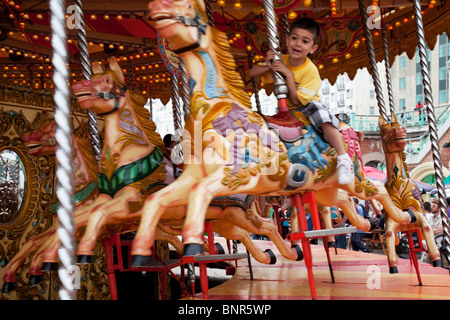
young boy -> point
(303, 83)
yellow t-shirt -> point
(306, 77)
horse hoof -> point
(35, 279)
(193, 249)
(299, 252)
(50, 266)
(9, 286)
(219, 248)
(437, 263)
(85, 259)
(393, 270)
(273, 259)
(140, 261)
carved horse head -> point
(393, 135)
(42, 140)
(105, 92)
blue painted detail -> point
(309, 152)
(192, 84)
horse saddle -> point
(289, 128)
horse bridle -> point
(119, 92)
(196, 22)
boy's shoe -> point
(345, 171)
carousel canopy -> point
(122, 29)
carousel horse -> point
(229, 149)
(131, 168)
(46, 244)
(403, 191)
(42, 142)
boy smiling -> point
(303, 83)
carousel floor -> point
(358, 276)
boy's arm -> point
(258, 70)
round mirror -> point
(12, 185)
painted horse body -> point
(403, 192)
(46, 244)
(230, 149)
(132, 169)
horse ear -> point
(381, 121)
(394, 118)
(97, 68)
(114, 66)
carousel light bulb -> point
(237, 5)
(248, 47)
(93, 17)
(307, 3)
(221, 3)
(119, 17)
(347, 55)
(292, 14)
(39, 16)
(335, 60)
(106, 17)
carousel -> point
(89, 196)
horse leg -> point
(428, 235)
(201, 195)
(258, 225)
(390, 237)
(162, 235)
(154, 208)
(16, 262)
(325, 216)
(340, 198)
(232, 232)
(104, 213)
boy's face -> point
(300, 43)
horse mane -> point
(86, 149)
(228, 67)
(138, 102)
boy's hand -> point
(277, 65)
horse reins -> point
(119, 92)
(201, 27)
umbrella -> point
(375, 174)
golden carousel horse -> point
(46, 245)
(229, 149)
(403, 191)
(42, 142)
(132, 168)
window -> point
(443, 95)
(326, 101)
(341, 100)
(325, 87)
(419, 78)
(402, 83)
(442, 73)
(371, 110)
(349, 94)
(419, 97)
(442, 50)
(402, 62)
(341, 83)
(371, 94)
(401, 103)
